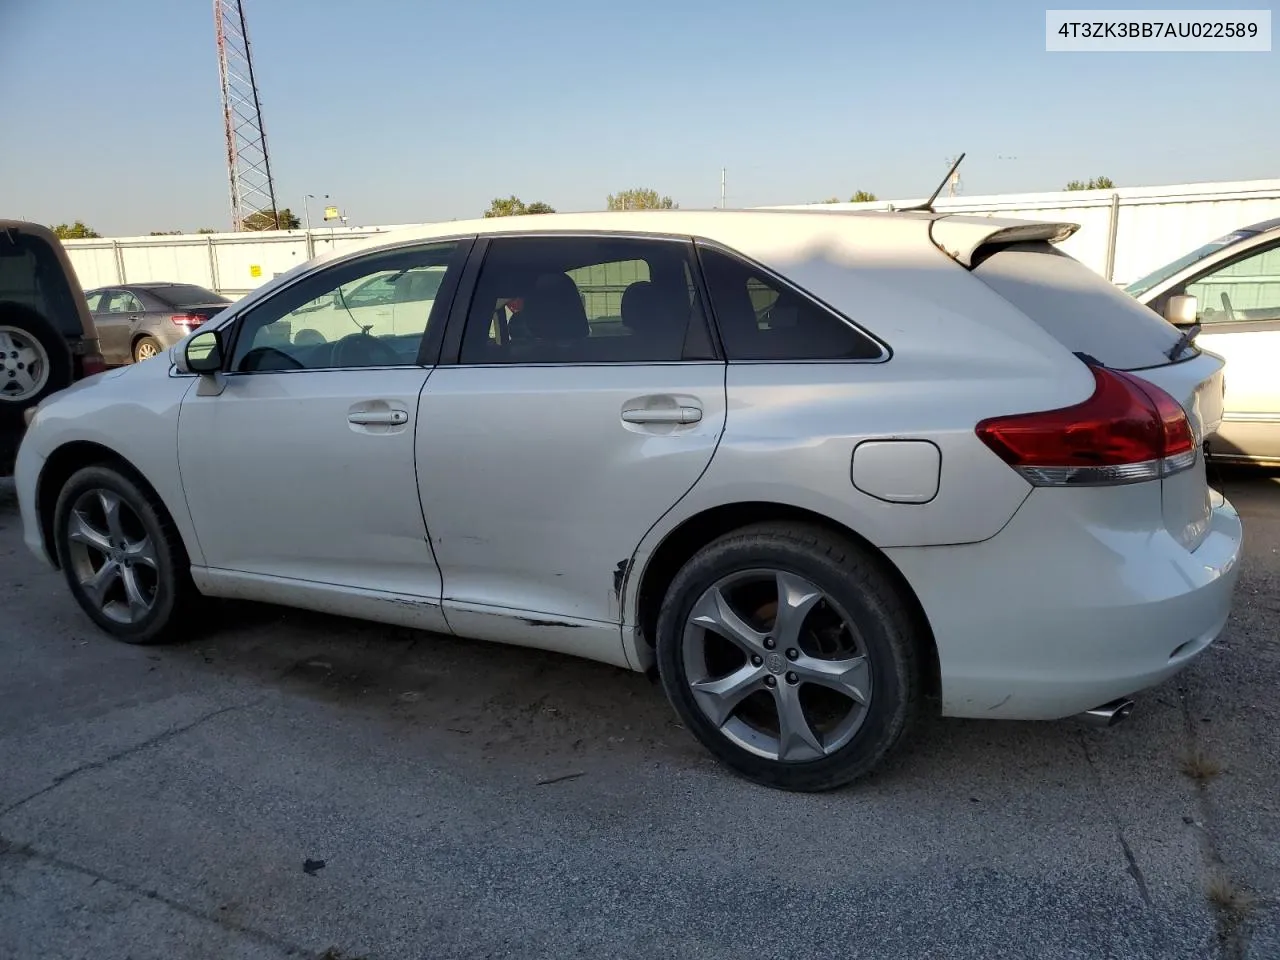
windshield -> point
(187, 295)
(1139, 287)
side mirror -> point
(1181, 310)
(203, 353)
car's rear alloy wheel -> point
(24, 365)
(790, 655)
(145, 349)
(120, 554)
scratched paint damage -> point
(620, 577)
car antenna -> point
(928, 204)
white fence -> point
(1124, 234)
(230, 263)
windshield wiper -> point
(1184, 341)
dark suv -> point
(47, 337)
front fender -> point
(131, 413)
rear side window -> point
(763, 319)
(1078, 307)
(31, 274)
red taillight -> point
(92, 363)
(1129, 430)
(187, 319)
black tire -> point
(146, 343)
(56, 354)
(174, 596)
(856, 582)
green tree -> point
(862, 196)
(641, 198)
(75, 231)
(165, 233)
(206, 230)
(1097, 183)
(264, 220)
(831, 200)
(513, 206)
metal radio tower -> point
(253, 192)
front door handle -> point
(386, 418)
(662, 415)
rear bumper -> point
(1056, 615)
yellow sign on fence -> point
(255, 270)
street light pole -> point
(306, 209)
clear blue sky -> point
(407, 111)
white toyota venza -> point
(816, 469)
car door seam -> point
(621, 591)
(422, 507)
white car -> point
(1231, 288)
(815, 468)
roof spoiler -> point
(962, 237)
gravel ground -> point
(297, 785)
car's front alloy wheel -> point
(120, 554)
(790, 655)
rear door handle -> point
(370, 418)
(662, 415)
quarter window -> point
(94, 300)
(763, 319)
(585, 300)
(1245, 291)
(372, 312)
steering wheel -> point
(1226, 308)
(363, 350)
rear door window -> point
(1078, 307)
(570, 300)
(32, 274)
(121, 302)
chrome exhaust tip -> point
(1109, 714)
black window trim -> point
(451, 353)
(886, 351)
(428, 350)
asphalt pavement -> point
(287, 784)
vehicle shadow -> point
(532, 711)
